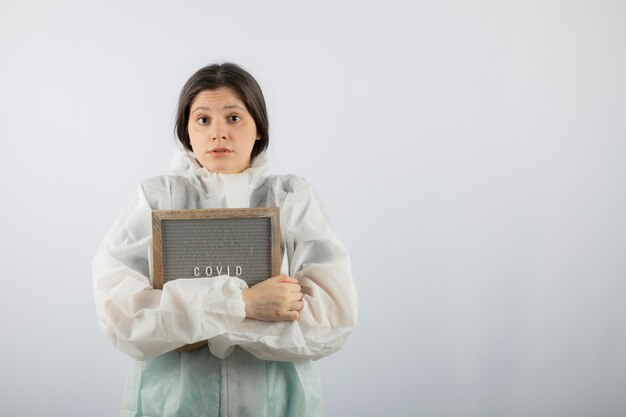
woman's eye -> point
(203, 120)
(234, 118)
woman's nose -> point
(219, 131)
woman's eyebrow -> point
(233, 106)
(226, 107)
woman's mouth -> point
(220, 152)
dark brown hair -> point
(241, 82)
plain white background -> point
(472, 154)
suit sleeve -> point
(144, 322)
(321, 263)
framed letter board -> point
(200, 243)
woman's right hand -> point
(276, 299)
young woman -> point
(254, 347)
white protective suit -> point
(250, 367)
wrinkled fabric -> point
(249, 367)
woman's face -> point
(221, 131)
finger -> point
(307, 290)
(294, 287)
(292, 315)
(297, 306)
(295, 296)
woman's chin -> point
(223, 168)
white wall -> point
(473, 155)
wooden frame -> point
(159, 216)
